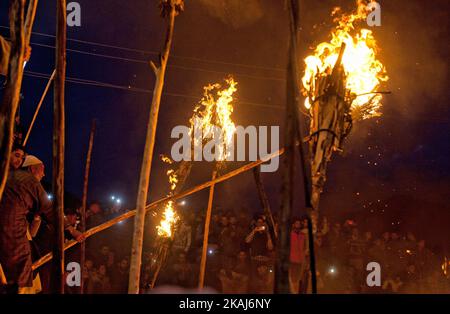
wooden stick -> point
(3, 280)
(84, 202)
(144, 179)
(162, 257)
(29, 21)
(11, 94)
(58, 146)
(39, 107)
(201, 277)
(264, 199)
(154, 204)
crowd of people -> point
(242, 256)
(241, 251)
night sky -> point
(393, 175)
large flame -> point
(364, 72)
(214, 110)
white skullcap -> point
(31, 160)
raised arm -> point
(269, 241)
(44, 207)
(5, 48)
(250, 236)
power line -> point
(141, 90)
(157, 53)
(169, 65)
(241, 102)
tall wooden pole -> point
(283, 245)
(201, 277)
(84, 201)
(311, 213)
(170, 8)
(29, 21)
(58, 146)
(11, 93)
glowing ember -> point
(215, 109)
(172, 179)
(165, 228)
(364, 72)
(446, 266)
(166, 159)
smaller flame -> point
(446, 266)
(171, 174)
(170, 217)
(165, 228)
(166, 159)
(173, 179)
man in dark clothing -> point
(260, 244)
(119, 278)
(94, 215)
(23, 195)
(259, 239)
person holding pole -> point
(23, 195)
(5, 49)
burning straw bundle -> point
(213, 111)
(341, 84)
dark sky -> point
(394, 169)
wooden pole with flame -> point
(169, 9)
(341, 84)
(329, 125)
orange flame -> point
(165, 228)
(364, 72)
(215, 109)
(170, 217)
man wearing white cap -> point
(23, 196)
(34, 166)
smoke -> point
(235, 13)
